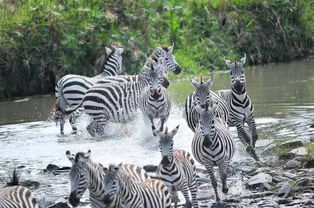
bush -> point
(41, 40)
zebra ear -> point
(228, 62)
(70, 156)
(105, 170)
(160, 50)
(120, 50)
(170, 48)
(243, 60)
(174, 131)
(87, 155)
(194, 83)
(211, 80)
(108, 51)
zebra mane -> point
(78, 156)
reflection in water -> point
(283, 95)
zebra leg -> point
(174, 198)
(210, 170)
(193, 190)
(223, 167)
(91, 128)
(185, 192)
(163, 121)
(62, 122)
(242, 134)
(152, 122)
(72, 120)
(252, 126)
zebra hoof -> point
(252, 152)
(225, 190)
(91, 130)
(188, 204)
(74, 132)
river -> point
(283, 95)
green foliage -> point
(41, 40)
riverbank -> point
(43, 40)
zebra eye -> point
(113, 182)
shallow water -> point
(283, 95)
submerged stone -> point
(292, 164)
(301, 151)
(284, 190)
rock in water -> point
(51, 167)
(260, 178)
(301, 151)
(292, 164)
(60, 205)
(150, 168)
(284, 190)
(293, 143)
(303, 182)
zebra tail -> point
(69, 110)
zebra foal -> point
(200, 97)
(86, 174)
(213, 145)
(177, 168)
(17, 197)
(240, 106)
(70, 89)
(151, 193)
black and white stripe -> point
(118, 102)
(152, 193)
(71, 88)
(200, 97)
(177, 169)
(17, 197)
(85, 174)
(155, 103)
(240, 106)
(213, 145)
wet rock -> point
(150, 168)
(289, 175)
(266, 186)
(312, 126)
(246, 169)
(308, 202)
(257, 195)
(303, 182)
(293, 143)
(284, 190)
(283, 201)
(292, 164)
(269, 149)
(258, 179)
(60, 205)
(301, 151)
(51, 167)
(20, 167)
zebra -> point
(177, 168)
(70, 89)
(155, 103)
(240, 106)
(151, 193)
(86, 174)
(17, 197)
(200, 97)
(213, 145)
(117, 102)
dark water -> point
(283, 95)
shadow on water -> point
(283, 95)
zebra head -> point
(207, 118)
(166, 145)
(166, 52)
(113, 62)
(77, 176)
(111, 183)
(154, 75)
(202, 93)
(237, 74)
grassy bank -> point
(40, 41)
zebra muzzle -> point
(74, 200)
(177, 70)
(165, 161)
(238, 86)
(108, 199)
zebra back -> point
(18, 197)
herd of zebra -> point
(110, 97)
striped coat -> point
(151, 193)
(17, 197)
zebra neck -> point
(93, 177)
(171, 167)
(126, 185)
(209, 140)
